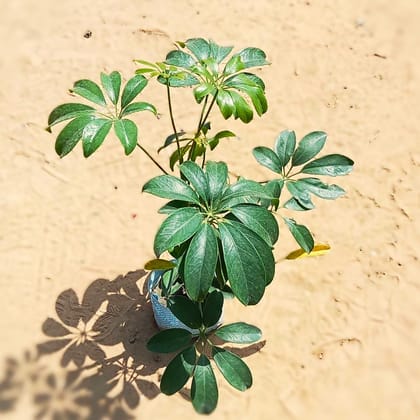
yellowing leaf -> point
(159, 264)
(319, 249)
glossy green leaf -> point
(218, 52)
(233, 369)
(259, 220)
(137, 107)
(126, 131)
(186, 311)
(225, 103)
(133, 87)
(171, 206)
(199, 47)
(212, 308)
(253, 57)
(217, 174)
(331, 165)
(234, 65)
(180, 59)
(204, 392)
(94, 134)
(255, 79)
(301, 234)
(89, 90)
(242, 110)
(178, 371)
(71, 134)
(177, 154)
(202, 90)
(300, 193)
(200, 262)
(274, 189)
(308, 147)
(179, 79)
(196, 177)
(169, 341)
(249, 261)
(179, 226)
(214, 141)
(294, 204)
(285, 146)
(239, 333)
(320, 189)
(171, 187)
(244, 189)
(67, 112)
(112, 85)
(267, 158)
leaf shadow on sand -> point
(99, 343)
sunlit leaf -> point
(318, 250)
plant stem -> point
(152, 158)
(168, 92)
(207, 113)
(202, 114)
(204, 159)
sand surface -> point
(341, 332)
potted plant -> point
(217, 240)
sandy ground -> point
(341, 332)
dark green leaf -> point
(239, 333)
(171, 206)
(212, 309)
(214, 141)
(71, 134)
(179, 59)
(186, 311)
(219, 53)
(137, 107)
(249, 261)
(176, 155)
(252, 57)
(89, 90)
(112, 85)
(126, 131)
(68, 111)
(285, 146)
(200, 262)
(178, 371)
(320, 189)
(308, 147)
(171, 187)
(225, 103)
(267, 158)
(259, 220)
(204, 392)
(331, 165)
(255, 79)
(242, 190)
(300, 193)
(168, 341)
(199, 47)
(196, 177)
(172, 139)
(133, 87)
(301, 234)
(293, 204)
(179, 226)
(233, 369)
(216, 173)
(242, 110)
(94, 134)
(273, 189)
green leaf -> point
(169, 341)
(259, 220)
(171, 187)
(212, 309)
(196, 177)
(253, 57)
(214, 141)
(204, 392)
(179, 59)
(200, 262)
(68, 111)
(293, 204)
(233, 369)
(178, 79)
(273, 189)
(243, 189)
(199, 47)
(159, 264)
(171, 206)
(320, 189)
(331, 165)
(217, 174)
(94, 134)
(239, 333)
(133, 87)
(126, 131)
(71, 134)
(137, 107)
(300, 193)
(89, 90)
(285, 146)
(178, 371)
(249, 261)
(186, 311)
(234, 65)
(112, 85)
(179, 226)
(225, 103)
(308, 147)
(242, 110)
(202, 90)
(176, 155)
(301, 234)
(267, 158)
(219, 53)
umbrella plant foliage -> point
(218, 237)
